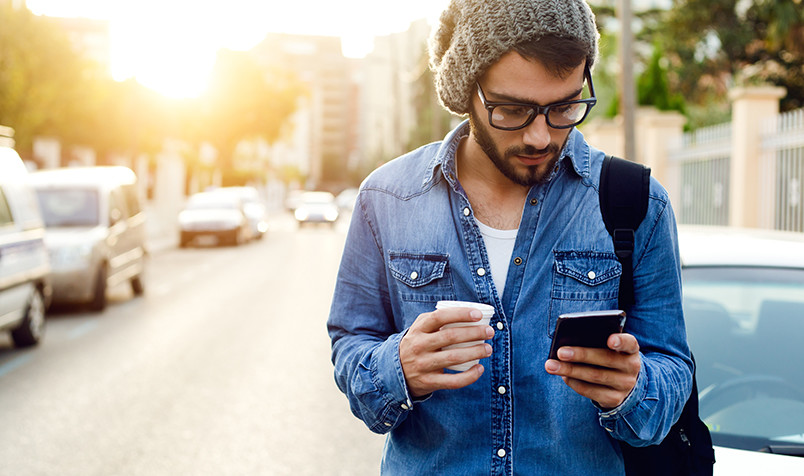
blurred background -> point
(214, 359)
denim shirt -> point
(413, 241)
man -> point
(504, 211)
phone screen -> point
(586, 329)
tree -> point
(40, 78)
(714, 44)
(653, 87)
(245, 101)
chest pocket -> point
(583, 281)
(421, 277)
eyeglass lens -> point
(560, 115)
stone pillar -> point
(656, 132)
(605, 134)
(751, 106)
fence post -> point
(656, 132)
(750, 107)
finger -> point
(433, 321)
(594, 375)
(625, 343)
(437, 381)
(624, 362)
(606, 397)
(460, 335)
(460, 355)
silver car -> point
(95, 231)
(219, 217)
(24, 264)
(253, 207)
(744, 311)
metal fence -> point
(701, 164)
(782, 177)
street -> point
(222, 368)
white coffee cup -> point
(485, 309)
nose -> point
(537, 133)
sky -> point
(170, 45)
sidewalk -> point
(161, 230)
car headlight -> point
(331, 215)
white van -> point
(96, 234)
(24, 266)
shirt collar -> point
(445, 157)
(576, 150)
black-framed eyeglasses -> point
(511, 116)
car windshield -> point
(746, 330)
(67, 207)
(318, 198)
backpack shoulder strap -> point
(624, 187)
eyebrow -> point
(511, 99)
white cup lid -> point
(486, 309)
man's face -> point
(526, 156)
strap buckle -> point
(623, 242)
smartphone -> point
(586, 329)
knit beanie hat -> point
(473, 34)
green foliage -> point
(39, 75)
(653, 87)
(244, 101)
(714, 44)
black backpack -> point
(687, 449)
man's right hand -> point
(422, 353)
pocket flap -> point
(417, 269)
(588, 267)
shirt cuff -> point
(608, 417)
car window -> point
(132, 199)
(5, 212)
(66, 207)
(745, 328)
(117, 206)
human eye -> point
(568, 110)
(514, 110)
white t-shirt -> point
(499, 247)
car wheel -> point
(98, 302)
(32, 327)
(136, 286)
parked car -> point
(95, 231)
(253, 206)
(744, 310)
(25, 288)
(346, 199)
(293, 199)
(220, 217)
(317, 207)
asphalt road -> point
(222, 368)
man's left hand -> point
(606, 376)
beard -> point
(505, 162)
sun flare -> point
(170, 45)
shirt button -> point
(501, 453)
(534, 201)
(405, 406)
(517, 261)
(481, 271)
(501, 390)
(591, 274)
(387, 424)
(414, 275)
(500, 325)
(466, 212)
